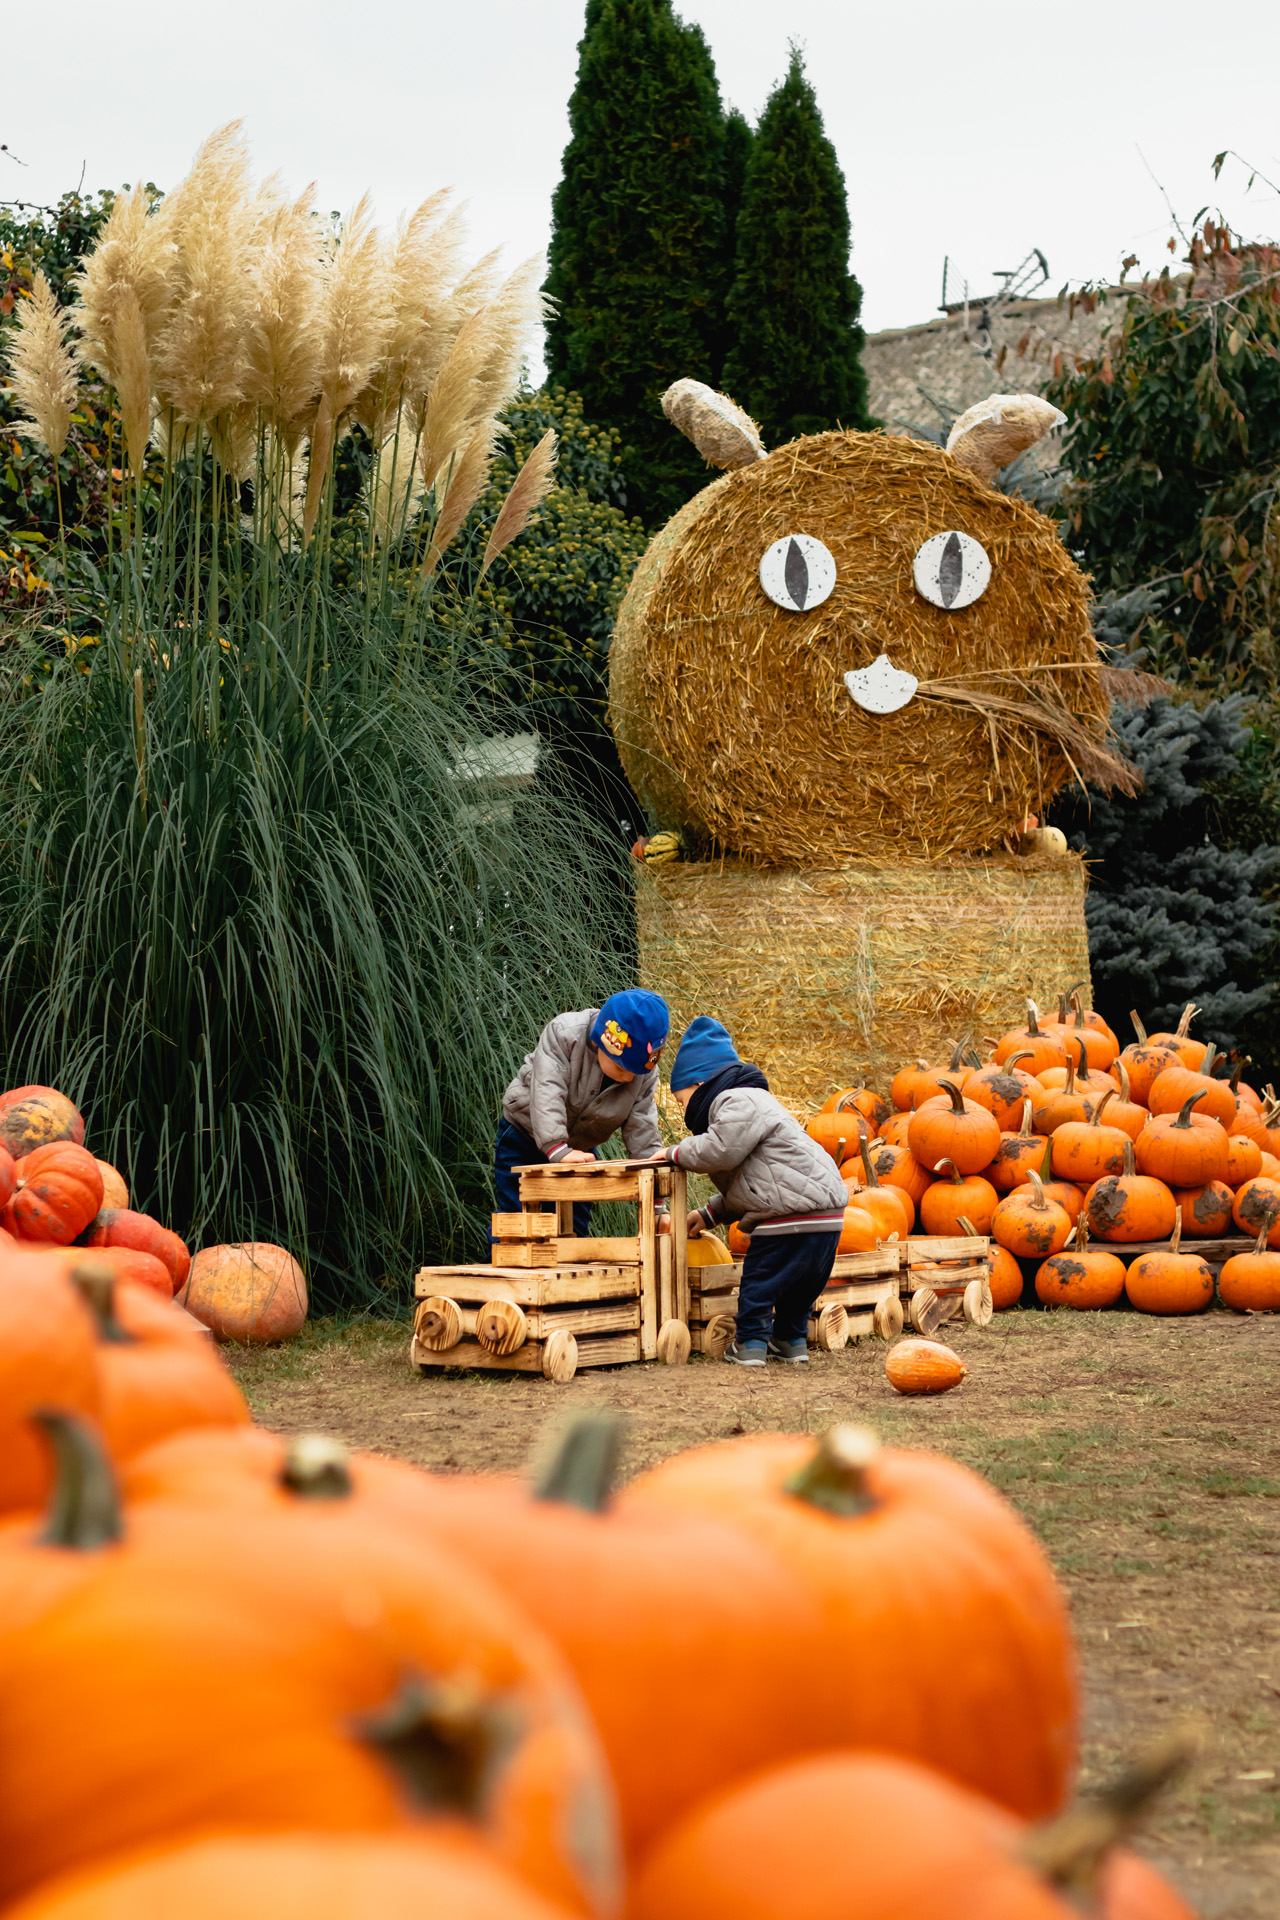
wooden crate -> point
(945, 1277)
(860, 1298)
(552, 1302)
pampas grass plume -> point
(356, 315)
(450, 405)
(282, 344)
(512, 316)
(422, 269)
(42, 366)
(199, 358)
(527, 492)
(467, 477)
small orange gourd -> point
(1172, 1088)
(892, 1208)
(1003, 1089)
(1244, 1159)
(898, 1167)
(1250, 1282)
(1017, 1154)
(57, 1192)
(1190, 1052)
(1064, 1104)
(1143, 1061)
(873, 1109)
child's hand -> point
(661, 1154)
(576, 1158)
(694, 1224)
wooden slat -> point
(579, 1320)
(855, 1293)
(884, 1260)
(948, 1279)
(1214, 1251)
(680, 1241)
(925, 1248)
(578, 1183)
(648, 1265)
(604, 1350)
(666, 1283)
(544, 1286)
(523, 1226)
(571, 1253)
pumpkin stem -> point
(1138, 1027)
(443, 1739)
(1175, 1239)
(317, 1467)
(835, 1476)
(1069, 1851)
(1268, 1220)
(1189, 1013)
(1082, 1232)
(1130, 1164)
(850, 1093)
(1026, 1130)
(957, 1098)
(579, 1467)
(1069, 1085)
(1023, 1053)
(963, 1221)
(1033, 1016)
(1123, 1071)
(1064, 1006)
(1184, 1117)
(956, 1181)
(1098, 1105)
(865, 1150)
(1038, 1201)
(1236, 1071)
(96, 1284)
(957, 1054)
(84, 1511)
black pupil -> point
(795, 573)
(951, 570)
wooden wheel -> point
(501, 1326)
(438, 1323)
(925, 1311)
(674, 1343)
(560, 1357)
(833, 1328)
(978, 1306)
(886, 1317)
(717, 1334)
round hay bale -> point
(732, 713)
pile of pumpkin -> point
(54, 1192)
(252, 1677)
(1066, 1148)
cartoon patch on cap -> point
(614, 1040)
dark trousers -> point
(782, 1276)
(516, 1148)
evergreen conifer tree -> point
(639, 254)
(795, 362)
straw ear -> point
(724, 435)
(989, 435)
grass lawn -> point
(1145, 1454)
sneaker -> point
(794, 1352)
(752, 1353)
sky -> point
(977, 132)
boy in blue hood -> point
(777, 1183)
(590, 1074)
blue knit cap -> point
(632, 1028)
(705, 1049)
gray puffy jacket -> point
(562, 1098)
(772, 1177)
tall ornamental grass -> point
(263, 913)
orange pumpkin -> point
(1250, 1124)
(121, 1227)
(1017, 1155)
(313, 1671)
(1083, 1151)
(873, 1109)
(883, 1540)
(923, 1366)
(1270, 1166)
(739, 1242)
(1063, 1105)
(1130, 1206)
(1004, 1090)
(1171, 1090)
(1143, 1061)
(1185, 1149)
(1078, 1277)
(1205, 1211)
(960, 1131)
(1257, 1204)
(8, 1177)
(142, 1269)
(859, 1233)
(1250, 1282)
(892, 1208)
(1030, 1225)
(1005, 1273)
(48, 1358)
(115, 1192)
(898, 1167)
(935, 1081)
(914, 1846)
(1172, 1282)
(298, 1876)
(57, 1193)
(903, 1085)
(1244, 1160)
(32, 1117)
(952, 1200)
(1068, 1196)
(1190, 1052)
(1125, 1112)
(1099, 1043)
(895, 1127)
(254, 1292)
(835, 1133)
(1089, 1080)
(1044, 1046)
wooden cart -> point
(943, 1277)
(861, 1297)
(550, 1303)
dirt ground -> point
(1143, 1452)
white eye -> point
(952, 570)
(797, 572)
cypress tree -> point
(639, 255)
(795, 362)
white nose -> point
(881, 688)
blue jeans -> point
(782, 1277)
(515, 1148)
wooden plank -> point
(884, 1260)
(680, 1241)
(523, 1226)
(705, 1306)
(543, 1286)
(666, 1282)
(571, 1253)
(864, 1293)
(648, 1266)
(1214, 1251)
(564, 1219)
(624, 1317)
(578, 1183)
(604, 1350)
(924, 1248)
(948, 1278)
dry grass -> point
(732, 716)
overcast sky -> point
(977, 131)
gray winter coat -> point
(562, 1098)
(772, 1177)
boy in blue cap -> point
(778, 1184)
(590, 1074)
